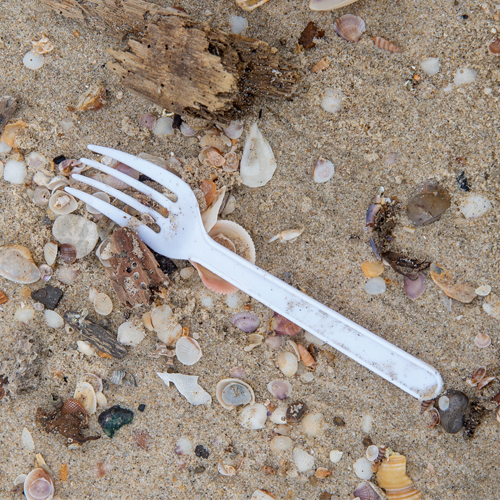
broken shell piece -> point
(255, 340)
(232, 162)
(170, 333)
(209, 216)
(257, 163)
(122, 377)
(322, 472)
(329, 4)
(287, 363)
(484, 382)
(305, 357)
(85, 348)
(391, 476)
(434, 419)
(103, 305)
(85, 393)
(332, 100)
(474, 206)
(363, 468)
(249, 5)
(491, 306)
(188, 351)
(27, 440)
(314, 425)
(287, 235)
(253, 416)
(278, 416)
(303, 460)
(428, 203)
(50, 252)
(372, 453)
(38, 485)
(494, 46)
(232, 392)
(442, 278)
(100, 196)
(478, 375)
(372, 269)
(482, 340)
(483, 290)
(283, 326)
(323, 170)
(130, 334)
(279, 444)
(234, 130)
(188, 386)
(184, 446)
(41, 196)
(93, 99)
(209, 189)
(16, 264)
(280, 389)
(349, 27)
(320, 66)
(262, 494)
(335, 456)
(368, 491)
(43, 46)
(53, 319)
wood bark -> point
(184, 65)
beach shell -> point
(184, 446)
(283, 429)
(279, 444)
(484, 382)
(253, 416)
(130, 333)
(287, 235)
(233, 392)
(372, 269)
(50, 252)
(483, 290)
(391, 476)
(245, 321)
(320, 66)
(442, 278)
(103, 305)
(77, 231)
(375, 286)
(188, 386)
(147, 120)
(100, 196)
(38, 485)
(95, 381)
(434, 419)
(14, 172)
(415, 288)
(349, 27)
(53, 319)
(305, 357)
(368, 491)
(384, 44)
(332, 100)
(262, 494)
(303, 460)
(210, 215)
(234, 130)
(314, 425)
(287, 363)
(16, 264)
(170, 333)
(478, 375)
(67, 253)
(250, 5)
(283, 326)
(429, 201)
(474, 206)
(278, 416)
(85, 348)
(71, 406)
(232, 162)
(188, 351)
(42, 46)
(335, 456)
(323, 170)
(41, 196)
(66, 274)
(27, 440)
(209, 189)
(329, 4)
(280, 389)
(372, 453)
(187, 130)
(494, 46)
(85, 393)
(3, 297)
(62, 203)
(257, 164)
(444, 403)
(482, 340)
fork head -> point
(180, 232)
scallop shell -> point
(38, 485)
(303, 460)
(62, 203)
(442, 278)
(287, 363)
(130, 334)
(253, 416)
(391, 476)
(349, 27)
(170, 333)
(280, 389)
(103, 305)
(188, 351)
(161, 317)
(415, 288)
(482, 340)
(314, 425)
(384, 44)
(50, 252)
(221, 232)
(229, 398)
(367, 491)
(279, 444)
(41, 196)
(16, 264)
(85, 393)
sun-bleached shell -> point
(188, 351)
(209, 216)
(391, 476)
(363, 468)
(250, 5)
(62, 203)
(335, 456)
(482, 340)
(279, 444)
(329, 4)
(287, 363)
(85, 348)
(253, 416)
(188, 386)
(280, 389)
(262, 495)
(278, 416)
(53, 319)
(323, 170)
(257, 164)
(38, 485)
(50, 252)
(184, 446)
(166, 328)
(303, 460)
(103, 304)
(349, 27)
(16, 264)
(314, 424)
(234, 130)
(287, 235)
(27, 440)
(443, 279)
(129, 333)
(85, 393)
(233, 392)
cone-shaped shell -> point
(235, 238)
(188, 351)
(225, 399)
(38, 485)
(391, 476)
(17, 265)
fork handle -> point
(381, 357)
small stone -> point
(474, 206)
(452, 419)
(201, 451)
(49, 296)
(199, 470)
(339, 422)
(141, 407)
(375, 286)
(295, 412)
(372, 269)
(483, 290)
(114, 418)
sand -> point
(427, 126)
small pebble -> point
(238, 24)
(14, 172)
(483, 290)
(375, 286)
(332, 101)
(186, 272)
(141, 407)
(49, 296)
(430, 66)
(201, 451)
(114, 418)
(335, 456)
(464, 76)
(452, 419)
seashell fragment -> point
(414, 288)
(50, 252)
(482, 340)
(287, 235)
(372, 269)
(262, 494)
(16, 264)
(188, 386)
(428, 203)
(187, 130)
(253, 416)
(278, 416)
(484, 382)
(27, 440)
(67, 253)
(280, 389)
(367, 491)
(295, 412)
(430, 66)
(491, 306)
(329, 4)
(249, 5)
(384, 44)
(257, 163)
(349, 27)
(494, 46)
(483, 290)
(103, 305)
(85, 393)
(279, 444)
(85, 348)
(320, 66)
(234, 130)
(442, 278)
(478, 375)
(62, 203)
(245, 321)
(363, 468)
(391, 476)
(305, 357)
(335, 456)
(3, 298)
(372, 453)
(100, 196)
(323, 169)
(332, 100)
(77, 231)
(234, 392)
(375, 286)
(42, 46)
(434, 418)
(188, 351)
(303, 460)
(314, 425)
(53, 319)
(283, 326)
(147, 120)
(474, 206)
(32, 60)
(464, 76)
(130, 334)
(287, 363)
(41, 196)
(184, 446)
(93, 99)
(14, 172)
(38, 485)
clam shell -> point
(323, 170)
(234, 130)
(161, 317)
(188, 351)
(62, 203)
(38, 485)
(314, 425)
(50, 252)
(287, 363)
(391, 476)
(53, 319)
(170, 333)
(279, 444)
(130, 334)
(209, 216)
(322, 64)
(188, 386)
(250, 5)
(429, 201)
(85, 393)
(245, 321)
(280, 389)
(478, 375)
(232, 392)
(482, 340)
(349, 27)
(16, 264)
(103, 305)
(415, 288)
(278, 416)
(67, 274)
(303, 460)
(253, 416)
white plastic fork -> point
(182, 236)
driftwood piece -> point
(8, 106)
(133, 268)
(184, 65)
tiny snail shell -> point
(349, 27)
(67, 253)
(50, 252)
(306, 357)
(287, 363)
(232, 392)
(188, 351)
(41, 196)
(253, 416)
(434, 419)
(103, 304)
(38, 485)
(384, 44)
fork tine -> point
(160, 175)
(128, 200)
(140, 186)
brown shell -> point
(306, 357)
(72, 406)
(67, 253)
(478, 375)
(3, 298)
(459, 291)
(63, 472)
(349, 27)
(494, 46)
(320, 65)
(384, 44)
(426, 405)
(484, 382)
(435, 418)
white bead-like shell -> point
(130, 334)
(303, 460)
(85, 393)
(184, 446)
(50, 252)
(222, 384)
(188, 351)
(253, 416)
(62, 203)
(103, 304)
(38, 485)
(279, 444)
(287, 363)
(314, 425)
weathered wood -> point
(184, 65)
(8, 106)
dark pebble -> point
(143, 178)
(367, 441)
(295, 412)
(46, 221)
(177, 121)
(452, 419)
(114, 418)
(201, 451)
(49, 296)
(166, 265)
(338, 422)
(59, 159)
(142, 407)
(199, 470)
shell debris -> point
(287, 235)
(188, 386)
(384, 44)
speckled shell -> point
(349, 27)
(38, 485)
(253, 416)
(17, 265)
(222, 384)
(391, 476)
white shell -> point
(283, 429)
(464, 76)
(323, 170)
(483, 290)
(253, 416)
(170, 334)
(53, 319)
(101, 399)
(27, 440)
(303, 460)
(66, 274)
(188, 386)
(278, 416)
(309, 338)
(279, 444)
(20, 479)
(329, 4)
(85, 348)
(85, 393)
(14, 172)
(188, 351)
(38, 485)
(103, 304)
(62, 203)
(363, 468)
(16, 264)
(430, 66)
(332, 101)
(184, 446)
(314, 425)
(262, 495)
(77, 231)
(50, 252)
(287, 235)
(24, 314)
(287, 363)
(444, 403)
(375, 286)
(58, 182)
(372, 452)
(130, 334)
(335, 456)
(41, 178)
(222, 384)
(257, 163)
(161, 317)
(209, 216)
(474, 206)
(100, 196)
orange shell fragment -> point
(458, 291)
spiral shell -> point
(41, 196)
(384, 44)
(391, 476)
(232, 392)
(62, 203)
(38, 485)
(349, 27)
(188, 351)
(305, 357)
